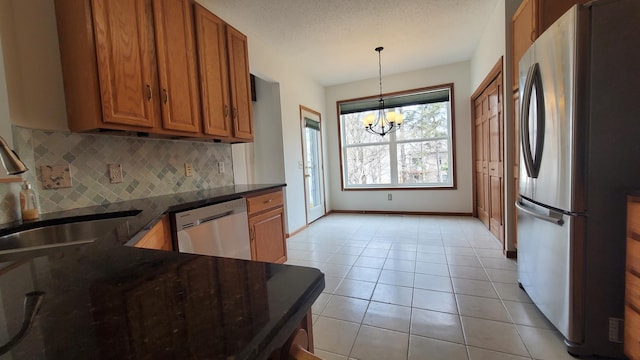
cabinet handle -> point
(267, 201)
(226, 111)
(149, 94)
(165, 96)
(235, 113)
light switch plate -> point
(55, 176)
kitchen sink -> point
(60, 235)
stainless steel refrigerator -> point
(580, 150)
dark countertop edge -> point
(292, 320)
(147, 217)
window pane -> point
(424, 121)
(425, 162)
(354, 131)
(418, 154)
(368, 165)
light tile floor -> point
(418, 287)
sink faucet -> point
(10, 159)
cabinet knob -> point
(267, 201)
(149, 93)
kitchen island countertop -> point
(104, 300)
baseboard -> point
(399, 212)
(288, 235)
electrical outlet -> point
(389, 197)
(188, 169)
(220, 167)
(115, 173)
(55, 176)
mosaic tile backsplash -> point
(151, 167)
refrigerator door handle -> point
(553, 217)
(533, 82)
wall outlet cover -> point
(115, 173)
(55, 176)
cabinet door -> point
(240, 84)
(179, 94)
(523, 26)
(482, 165)
(124, 49)
(548, 11)
(496, 156)
(159, 237)
(267, 236)
(211, 44)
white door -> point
(312, 163)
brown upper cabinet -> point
(531, 19)
(224, 77)
(132, 65)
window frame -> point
(393, 152)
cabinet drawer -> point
(258, 203)
(631, 333)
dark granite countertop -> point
(108, 301)
(146, 212)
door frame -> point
(304, 109)
(495, 71)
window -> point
(418, 155)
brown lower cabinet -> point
(266, 226)
(159, 237)
(632, 280)
(266, 229)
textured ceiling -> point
(334, 40)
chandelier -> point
(382, 122)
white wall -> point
(32, 64)
(268, 148)
(492, 46)
(295, 89)
(5, 115)
(455, 201)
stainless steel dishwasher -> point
(219, 230)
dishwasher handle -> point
(205, 214)
(211, 218)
